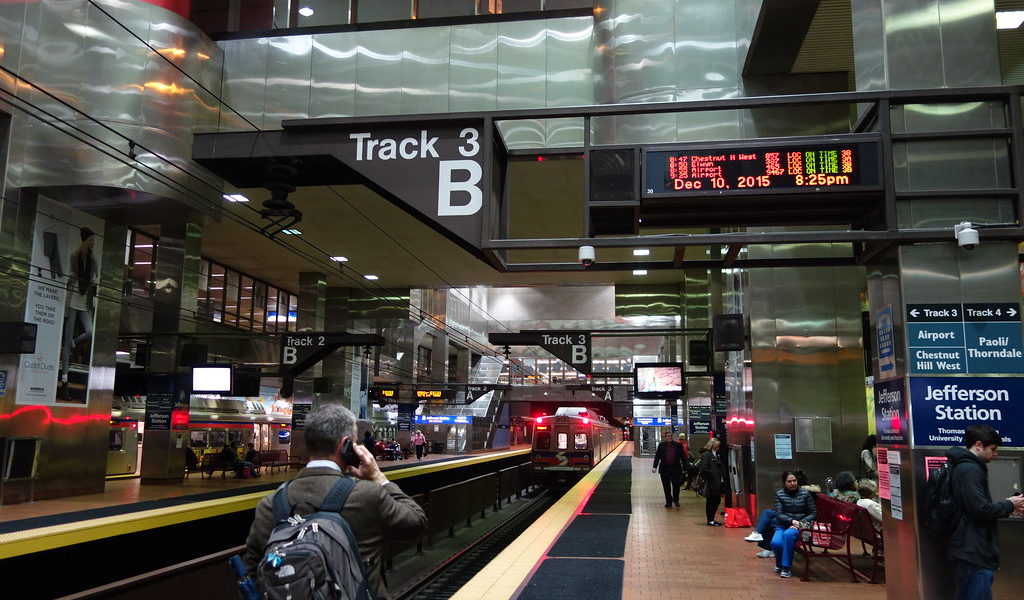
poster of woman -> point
(61, 301)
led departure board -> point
(788, 167)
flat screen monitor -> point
(659, 379)
(212, 379)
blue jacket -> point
(796, 506)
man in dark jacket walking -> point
(669, 459)
(974, 545)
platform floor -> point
(128, 491)
(669, 553)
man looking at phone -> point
(974, 545)
(375, 510)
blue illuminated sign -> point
(941, 408)
(884, 338)
(652, 421)
(284, 435)
(964, 338)
(443, 419)
(891, 413)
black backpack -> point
(314, 556)
(941, 515)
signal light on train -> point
(586, 421)
(540, 419)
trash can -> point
(437, 448)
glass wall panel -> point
(216, 295)
(231, 297)
(245, 303)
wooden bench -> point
(830, 535)
(272, 459)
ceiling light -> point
(235, 198)
(291, 232)
(1009, 19)
(371, 277)
(339, 259)
(639, 271)
(306, 11)
(641, 252)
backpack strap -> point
(282, 508)
(335, 500)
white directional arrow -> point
(913, 312)
(1012, 312)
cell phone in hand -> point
(348, 454)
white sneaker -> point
(754, 537)
(766, 554)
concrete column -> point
(311, 309)
(174, 306)
(338, 366)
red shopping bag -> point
(737, 517)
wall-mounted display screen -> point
(212, 379)
(659, 378)
(786, 166)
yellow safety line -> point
(500, 579)
(19, 543)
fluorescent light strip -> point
(235, 198)
(1009, 19)
(641, 252)
(339, 259)
(639, 271)
(291, 232)
(371, 277)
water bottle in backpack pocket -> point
(314, 556)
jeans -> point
(973, 582)
(671, 481)
(766, 527)
(783, 543)
(419, 451)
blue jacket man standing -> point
(974, 545)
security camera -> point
(587, 256)
(966, 235)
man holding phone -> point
(375, 510)
(974, 545)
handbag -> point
(700, 485)
(737, 517)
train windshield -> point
(563, 441)
(581, 441)
(543, 440)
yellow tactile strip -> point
(503, 576)
(40, 539)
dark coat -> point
(374, 512)
(975, 539)
(714, 472)
(665, 467)
(796, 506)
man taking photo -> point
(974, 545)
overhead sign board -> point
(943, 407)
(757, 167)
(572, 347)
(964, 338)
(436, 169)
(444, 419)
(652, 421)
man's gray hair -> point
(325, 427)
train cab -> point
(569, 443)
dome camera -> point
(587, 256)
(966, 235)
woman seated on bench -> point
(868, 489)
(794, 509)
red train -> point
(569, 443)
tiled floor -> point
(672, 553)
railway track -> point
(447, 578)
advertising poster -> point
(61, 301)
(783, 446)
(883, 473)
(895, 486)
(891, 413)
